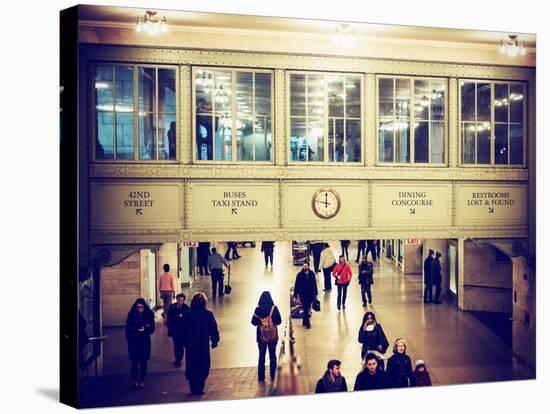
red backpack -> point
(268, 330)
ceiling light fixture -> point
(512, 46)
(151, 23)
(344, 35)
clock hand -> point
(322, 202)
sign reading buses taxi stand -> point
(491, 204)
(411, 204)
(122, 206)
(219, 206)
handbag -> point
(316, 305)
(227, 289)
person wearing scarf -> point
(332, 380)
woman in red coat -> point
(342, 273)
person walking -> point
(175, 327)
(232, 247)
(371, 377)
(366, 270)
(361, 246)
(200, 332)
(371, 247)
(399, 365)
(317, 247)
(332, 380)
(215, 264)
(342, 273)
(427, 277)
(435, 272)
(140, 325)
(420, 376)
(167, 289)
(266, 318)
(305, 289)
(267, 248)
(203, 251)
(344, 244)
(327, 264)
(377, 248)
(372, 336)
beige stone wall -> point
(486, 283)
(524, 306)
(120, 287)
(413, 259)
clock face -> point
(325, 203)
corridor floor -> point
(456, 347)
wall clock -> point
(326, 203)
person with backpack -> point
(366, 270)
(266, 317)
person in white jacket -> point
(327, 263)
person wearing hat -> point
(420, 376)
(399, 365)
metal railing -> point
(288, 380)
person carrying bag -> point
(342, 273)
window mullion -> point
(233, 115)
(411, 120)
(136, 114)
(253, 116)
(492, 124)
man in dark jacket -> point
(366, 279)
(371, 378)
(199, 330)
(372, 249)
(361, 246)
(305, 289)
(267, 249)
(428, 277)
(265, 308)
(435, 272)
(332, 380)
(203, 251)
(175, 326)
(317, 247)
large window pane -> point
(385, 97)
(223, 139)
(501, 144)
(468, 143)
(298, 140)
(353, 141)
(262, 85)
(335, 96)
(125, 136)
(245, 139)
(421, 142)
(124, 79)
(167, 90)
(437, 142)
(483, 102)
(167, 137)
(422, 100)
(204, 138)
(437, 110)
(516, 103)
(147, 147)
(484, 144)
(501, 102)
(104, 88)
(316, 139)
(402, 149)
(516, 144)
(263, 138)
(316, 96)
(104, 146)
(402, 97)
(336, 139)
(297, 95)
(353, 96)
(146, 87)
(245, 84)
(204, 87)
(468, 101)
(385, 144)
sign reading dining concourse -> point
(215, 205)
(491, 204)
(414, 204)
(136, 206)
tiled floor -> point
(456, 346)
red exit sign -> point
(412, 241)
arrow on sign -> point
(139, 212)
(234, 211)
(412, 210)
(491, 210)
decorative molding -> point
(185, 110)
(301, 62)
(369, 121)
(452, 124)
(280, 136)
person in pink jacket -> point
(342, 274)
(167, 288)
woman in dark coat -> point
(372, 336)
(400, 365)
(140, 325)
(199, 330)
(264, 309)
